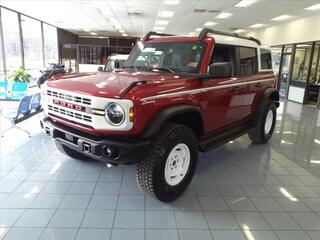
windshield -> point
(170, 56)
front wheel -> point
(169, 167)
(265, 125)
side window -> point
(224, 53)
(265, 56)
(248, 61)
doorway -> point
(284, 71)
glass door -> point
(284, 71)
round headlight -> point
(115, 114)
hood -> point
(105, 84)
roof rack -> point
(149, 34)
(204, 32)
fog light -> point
(109, 152)
(112, 152)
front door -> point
(224, 102)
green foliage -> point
(19, 75)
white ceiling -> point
(104, 17)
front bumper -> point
(97, 147)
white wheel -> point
(177, 164)
(269, 122)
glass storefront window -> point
(2, 78)
(317, 77)
(284, 69)
(31, 30)
(50, 44)
(1, 63)
(315, 70)
(10, 26)
(301, 64)
(276, 56)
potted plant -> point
(19, 80)
(19, 75)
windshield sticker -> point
(194, 47)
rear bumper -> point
(97, 147)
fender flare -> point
(270, 93)
(164, 115)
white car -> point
(114, 62)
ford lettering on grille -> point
(68, 105)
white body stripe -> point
(203, 89)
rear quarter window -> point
(265, 56)
(248, 61)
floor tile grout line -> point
(116, 208)
(95, 185)
(57, 208)
(204, 215)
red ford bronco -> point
(174, 96)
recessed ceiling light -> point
(162, 22)
(224, 15)
(246, 3)
(257, 25)
(208, 24)
(315, 7)
(172, 2)
(239, 31)
(93, 33)
(281, 18)
(158, 28)
(166, 14)
(198, 29)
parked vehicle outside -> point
(114, 62)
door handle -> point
(258, 84)
(237, 88)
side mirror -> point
(220, 70)
(116, 64)
(100, 69)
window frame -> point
(260, 57)
(235, 70)
(255, 70)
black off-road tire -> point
(151, 171)
(258, 134)
(70, 152)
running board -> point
(224, 136)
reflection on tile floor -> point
(240, 191)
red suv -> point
(174, 97)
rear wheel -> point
(70, 152)
(169, 167)
(265, 125)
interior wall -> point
(296, 31)
(66, 37)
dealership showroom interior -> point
(159, 119)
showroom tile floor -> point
(240, 191)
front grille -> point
(69, 114)
(69, 97)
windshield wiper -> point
(163, 69)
